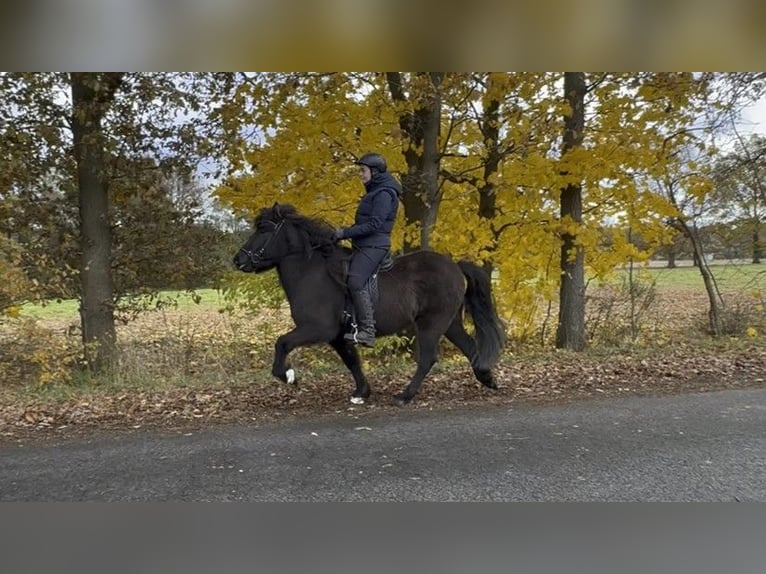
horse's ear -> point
(275, 207)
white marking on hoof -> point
(357, 401)
(290, 376)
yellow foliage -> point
(312, 126)
(38, 355)
(15, 287)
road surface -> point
(698, 447)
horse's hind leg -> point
(350, 357)
(459, 337)
(427, 342)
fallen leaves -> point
(558, 376)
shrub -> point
(617, 312)
(15, 286)
(30, 353)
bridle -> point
(257, 255)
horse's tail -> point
(490, 332)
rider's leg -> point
(363, 264)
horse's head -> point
(281, 231)
(266, 245)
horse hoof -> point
(290, 376)
(486, 378)
(357, 400)
(400, 399)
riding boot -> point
(364, 334)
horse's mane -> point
(316, 231)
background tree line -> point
(103, 191)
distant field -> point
(51, 310)
(732, 276)
(209, 298)
(728, 277)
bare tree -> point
(740, 191)
(676, 186)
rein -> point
(257, 256)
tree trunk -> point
(421, 128)
(91, 92)
(715, 300)
(570, 333)
(758, 248)
(490, 130)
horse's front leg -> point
(286, 343)
(350, 357)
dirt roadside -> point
(551, 377)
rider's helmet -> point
(374, 161)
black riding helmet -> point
(374, 161)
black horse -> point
(423, 289)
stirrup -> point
(352, 334)
(353, 337)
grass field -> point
(728, 277)
(68, 309)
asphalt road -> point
(700, 447)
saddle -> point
(385, 264)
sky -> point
(754, 118)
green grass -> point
(64, 309)
(209, 298)
(735, 277)
(69, 308)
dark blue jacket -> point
(376, 213)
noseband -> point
(257, 255)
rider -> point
(370, 238)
